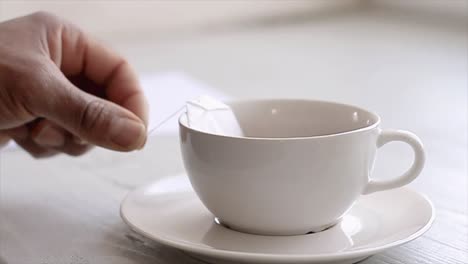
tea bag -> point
(212, 116)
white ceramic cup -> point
(300, 167)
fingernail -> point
(127, 133)
(144, 142)
(49, 136)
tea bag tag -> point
(213, 116)
(208, 103)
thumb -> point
(95, 120)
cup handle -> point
(411, 174)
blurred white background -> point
(108, 18)
(141, 17)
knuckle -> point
(57, 27)
(93, 117)
(45, 17)
(51, 22)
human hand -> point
(61, 91)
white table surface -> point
(406, 65)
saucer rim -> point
(236, 255)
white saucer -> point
(169, 212)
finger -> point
(4, 139)
(35, 150)
(47, 134)
(48, 138)
(93, 119)
(124, 89)
(80, 54)
(79, 141)
(17, 133)
(74, 149)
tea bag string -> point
(153, 129)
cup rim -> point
(353, 131)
